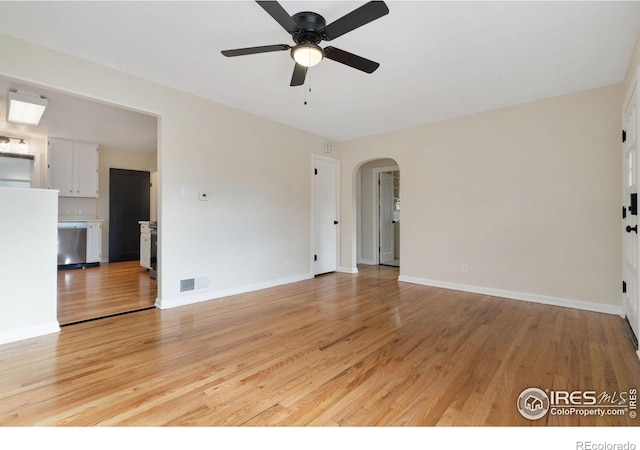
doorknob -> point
(335, 222)
(630, 229)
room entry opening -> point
(378, 212)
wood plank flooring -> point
(111, 288)
(338, 350)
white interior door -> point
(631, 299)
(385, 204)
(325, 215)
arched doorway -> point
(378, 212)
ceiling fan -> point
(308, 29)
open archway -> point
(377, 187)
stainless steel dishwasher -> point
(72, 244)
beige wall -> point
(634, 61)
(255, 229)
(528, 197)
(118, 159)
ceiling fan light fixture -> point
(307, 55)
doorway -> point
(325, 215)
(120, 284)
(127, 139)
(378, 213)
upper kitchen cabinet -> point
(72, 168)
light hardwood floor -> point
(109, 289)
(340, 349)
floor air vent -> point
(192, 284)
(187, 285)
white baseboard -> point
(29, 332)
(209, 294)
(348, 269)
(535, 298)
(368, 262)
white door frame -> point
(630, 96)
(315, 157)
(375, 176)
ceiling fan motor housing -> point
(311, 24)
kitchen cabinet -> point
(72, 168)
(94, 241)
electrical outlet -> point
(465, 268)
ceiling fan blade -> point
(254, 50)
(275, 10)
(299, 74)
(355, 19)
(355, 61)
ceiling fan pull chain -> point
(307, 86)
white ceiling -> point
(438, 59)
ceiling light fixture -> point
(25, 109)
(13, 144)
(307, 54)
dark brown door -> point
(128, 204)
